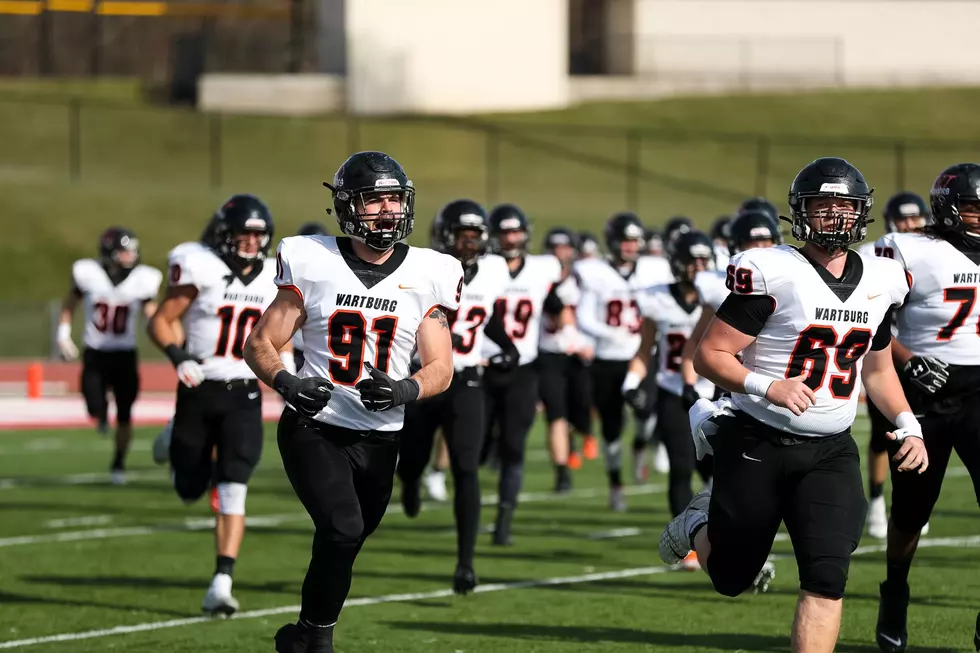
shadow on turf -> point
(25, 599)
(587, 634)
(155, 582)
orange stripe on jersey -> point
(908, 278)
(296, 290)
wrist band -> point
(757, 384)
(631, 382)
(907, 420)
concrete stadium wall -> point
(827, 42)
(449, 56)
(275, 95)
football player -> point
(219, 294)
(937, 347)
(512, 386)
(565, 384)
(654, 242)
(720, 235)
(459, 410)
(116, 288)
(674, 227)
(750, 229)
(807, 321)
(904, 212)
(607, 312)
(364, 301)
(588, 246)
(669, 312)
(759, 204)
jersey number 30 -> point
(348, 331)
(812, 352)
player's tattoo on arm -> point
(439, 314)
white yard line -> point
(204, 523)
(970, 540)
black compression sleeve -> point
(496, 331)
(746, 313)
(883, 336)
(553, 303)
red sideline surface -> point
(19, 413)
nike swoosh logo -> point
(891, 640)
(874, 296)
(253, 395)
(748, 457)
(405, 287)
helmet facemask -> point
(379, 217)
(466, 243)
(686, 265)
(843, 219)
(509, 248)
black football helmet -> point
(752, 226)
(721, 228)
(906, 205)
(360, 177)
(119, 250)
(558, 236)
(242, 214)
(831, 177)
(620, 228)
(588, 245)
(460, 215)
(689, 247)
(435, 233)
(675, 227)
(508, 217)
(209, 237)
(313, 229)
(654, 242)
(953, 185)
(759, 204)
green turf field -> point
(135, 557)
(151, 168)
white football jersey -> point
(607, 310)
(554, 340)
(722, 256)
(711, 287)
(941, 316)
(111, 311)
(522, 303)
(664, 305)
(349, 324)
(475, 308)
(218, 321)
(813, 331)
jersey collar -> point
(371, 274)
(845, 285)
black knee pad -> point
(827, 578)
(731, 584)
(124, 414)
(343, 526)
(910, 520)
(236, 470)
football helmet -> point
(620, 228)
(558, 236)
(830, 177)
(654, 242)
(953, 185)
(906, 205)
(457, 216)
(752, 226)
(241, 214)
(504, 218)
(691, 247)
(588, 245)
(759, 204)
(721, 228)
(675, 227)
(119, 250)
(360, 181)
(209, 235)
(313, 229)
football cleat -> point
(161, 444)
(464, 581)
(661, 461)
(501, 530)
(690, 562)
(118, 476)
(574, 460)
(764, 578)
(877, 519)
(411, 499)
(617, 499)
(563, 481)
(435, 486)
(590, 447)
(218, 601)
(675, 541)
(892, 629)
(297, 638)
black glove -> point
(637, 399)
(381, 392)
(308, 396)
(689, 396)
(457, 341)
(927, 373)
(505, 360)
